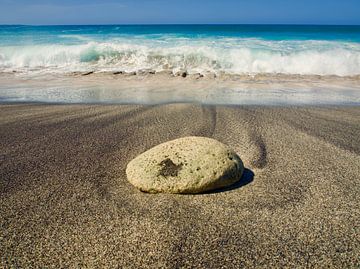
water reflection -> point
(144, 94)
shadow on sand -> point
(246, 178)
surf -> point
(212, 49)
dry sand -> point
(66, 203)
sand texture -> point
(65, 201)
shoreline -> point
(178, 73)
(66, 201)
(162, 88)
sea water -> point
(248, 50)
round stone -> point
(185, 165)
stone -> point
(118, 72)
(143, 72)
(132, 73)
(181, 73)
(185, 165)
(198, 75)
(87, 73)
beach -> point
(66, 203)
(148, 87)
(79, 102)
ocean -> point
(224, 64)
(233, 49)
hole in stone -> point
(169, 168)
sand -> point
(66, 203)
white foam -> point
(230, 55)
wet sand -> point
(66, 203)
(164, 88)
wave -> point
(234, 56)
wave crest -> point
(229, 56)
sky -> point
(37, 12)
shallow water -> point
(159, 89)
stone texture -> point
(185, 165)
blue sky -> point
(179, 11)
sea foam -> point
(228, 55)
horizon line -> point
(181, 24)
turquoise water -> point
(15, 35)
(234, 49)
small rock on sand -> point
(185, 165)
(143, 72)
(181, 73)
(87, 73)
(132, 73)
(118, 72)
(198, 75)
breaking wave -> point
(229, 55)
